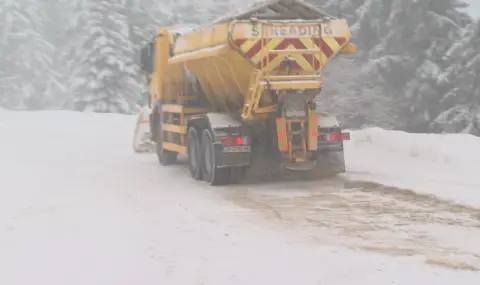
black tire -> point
(165, 157)
(195, 157)
(154, 120)
(211, 174)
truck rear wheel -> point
(211, 174)
(195, 157)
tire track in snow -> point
(368, 216)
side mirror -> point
(147, 58)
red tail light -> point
(336, 137)
(229, 141)
(238, 141)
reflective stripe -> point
(313, 130)
(282, 134)
(252, 49)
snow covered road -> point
(77, 206)
(371, 217)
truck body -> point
(238, 95)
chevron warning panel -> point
(256, 51)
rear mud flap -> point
(328, 165)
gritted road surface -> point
(366, 216)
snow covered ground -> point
(77, 206)
(442, 165)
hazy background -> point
(416, 69)
(474, 8)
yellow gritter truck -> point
(237, 96)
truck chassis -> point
(221, 150)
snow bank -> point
(3, 114)
(444, 165)
(439, 148)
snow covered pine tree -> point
(461, 103)
(405, 42)
(26, 64)
(104, 79)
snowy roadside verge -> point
(443, 165)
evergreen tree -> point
(408, 57)
(219, 8)
(346, 9)
(11, 16)
(461, 103)
(20, 46)
(441, 27)
(362, 98)
(56, 32)
(185, 12)
(104, 79)
(355, 98)
(143, 17)
(48, 66)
